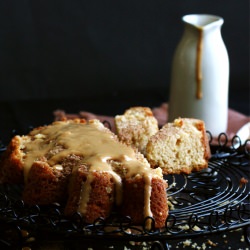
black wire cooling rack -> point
(213, 200)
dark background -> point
(104, 56)
(79, 49)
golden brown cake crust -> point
(133, 205)
(44, 185)
(101, 199)
(11, 167)
(159, 204)
(74, 190)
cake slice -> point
(136, 126)
(179, 147)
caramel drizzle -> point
(97, 147)
(199, 76)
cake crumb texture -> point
(179, 147)
(136, 126)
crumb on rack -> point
(211, 243)
(243, 181)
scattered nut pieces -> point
(209, 242)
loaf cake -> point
(136, 126)
(84, 166)
(179, 147)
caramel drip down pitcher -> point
(200, 73)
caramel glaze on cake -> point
(84, 165)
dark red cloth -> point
(235, 119)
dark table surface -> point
(19, 116)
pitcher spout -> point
(202, 21)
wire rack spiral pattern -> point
(215, 199)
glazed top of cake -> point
(95, 144)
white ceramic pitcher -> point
(200, 73)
